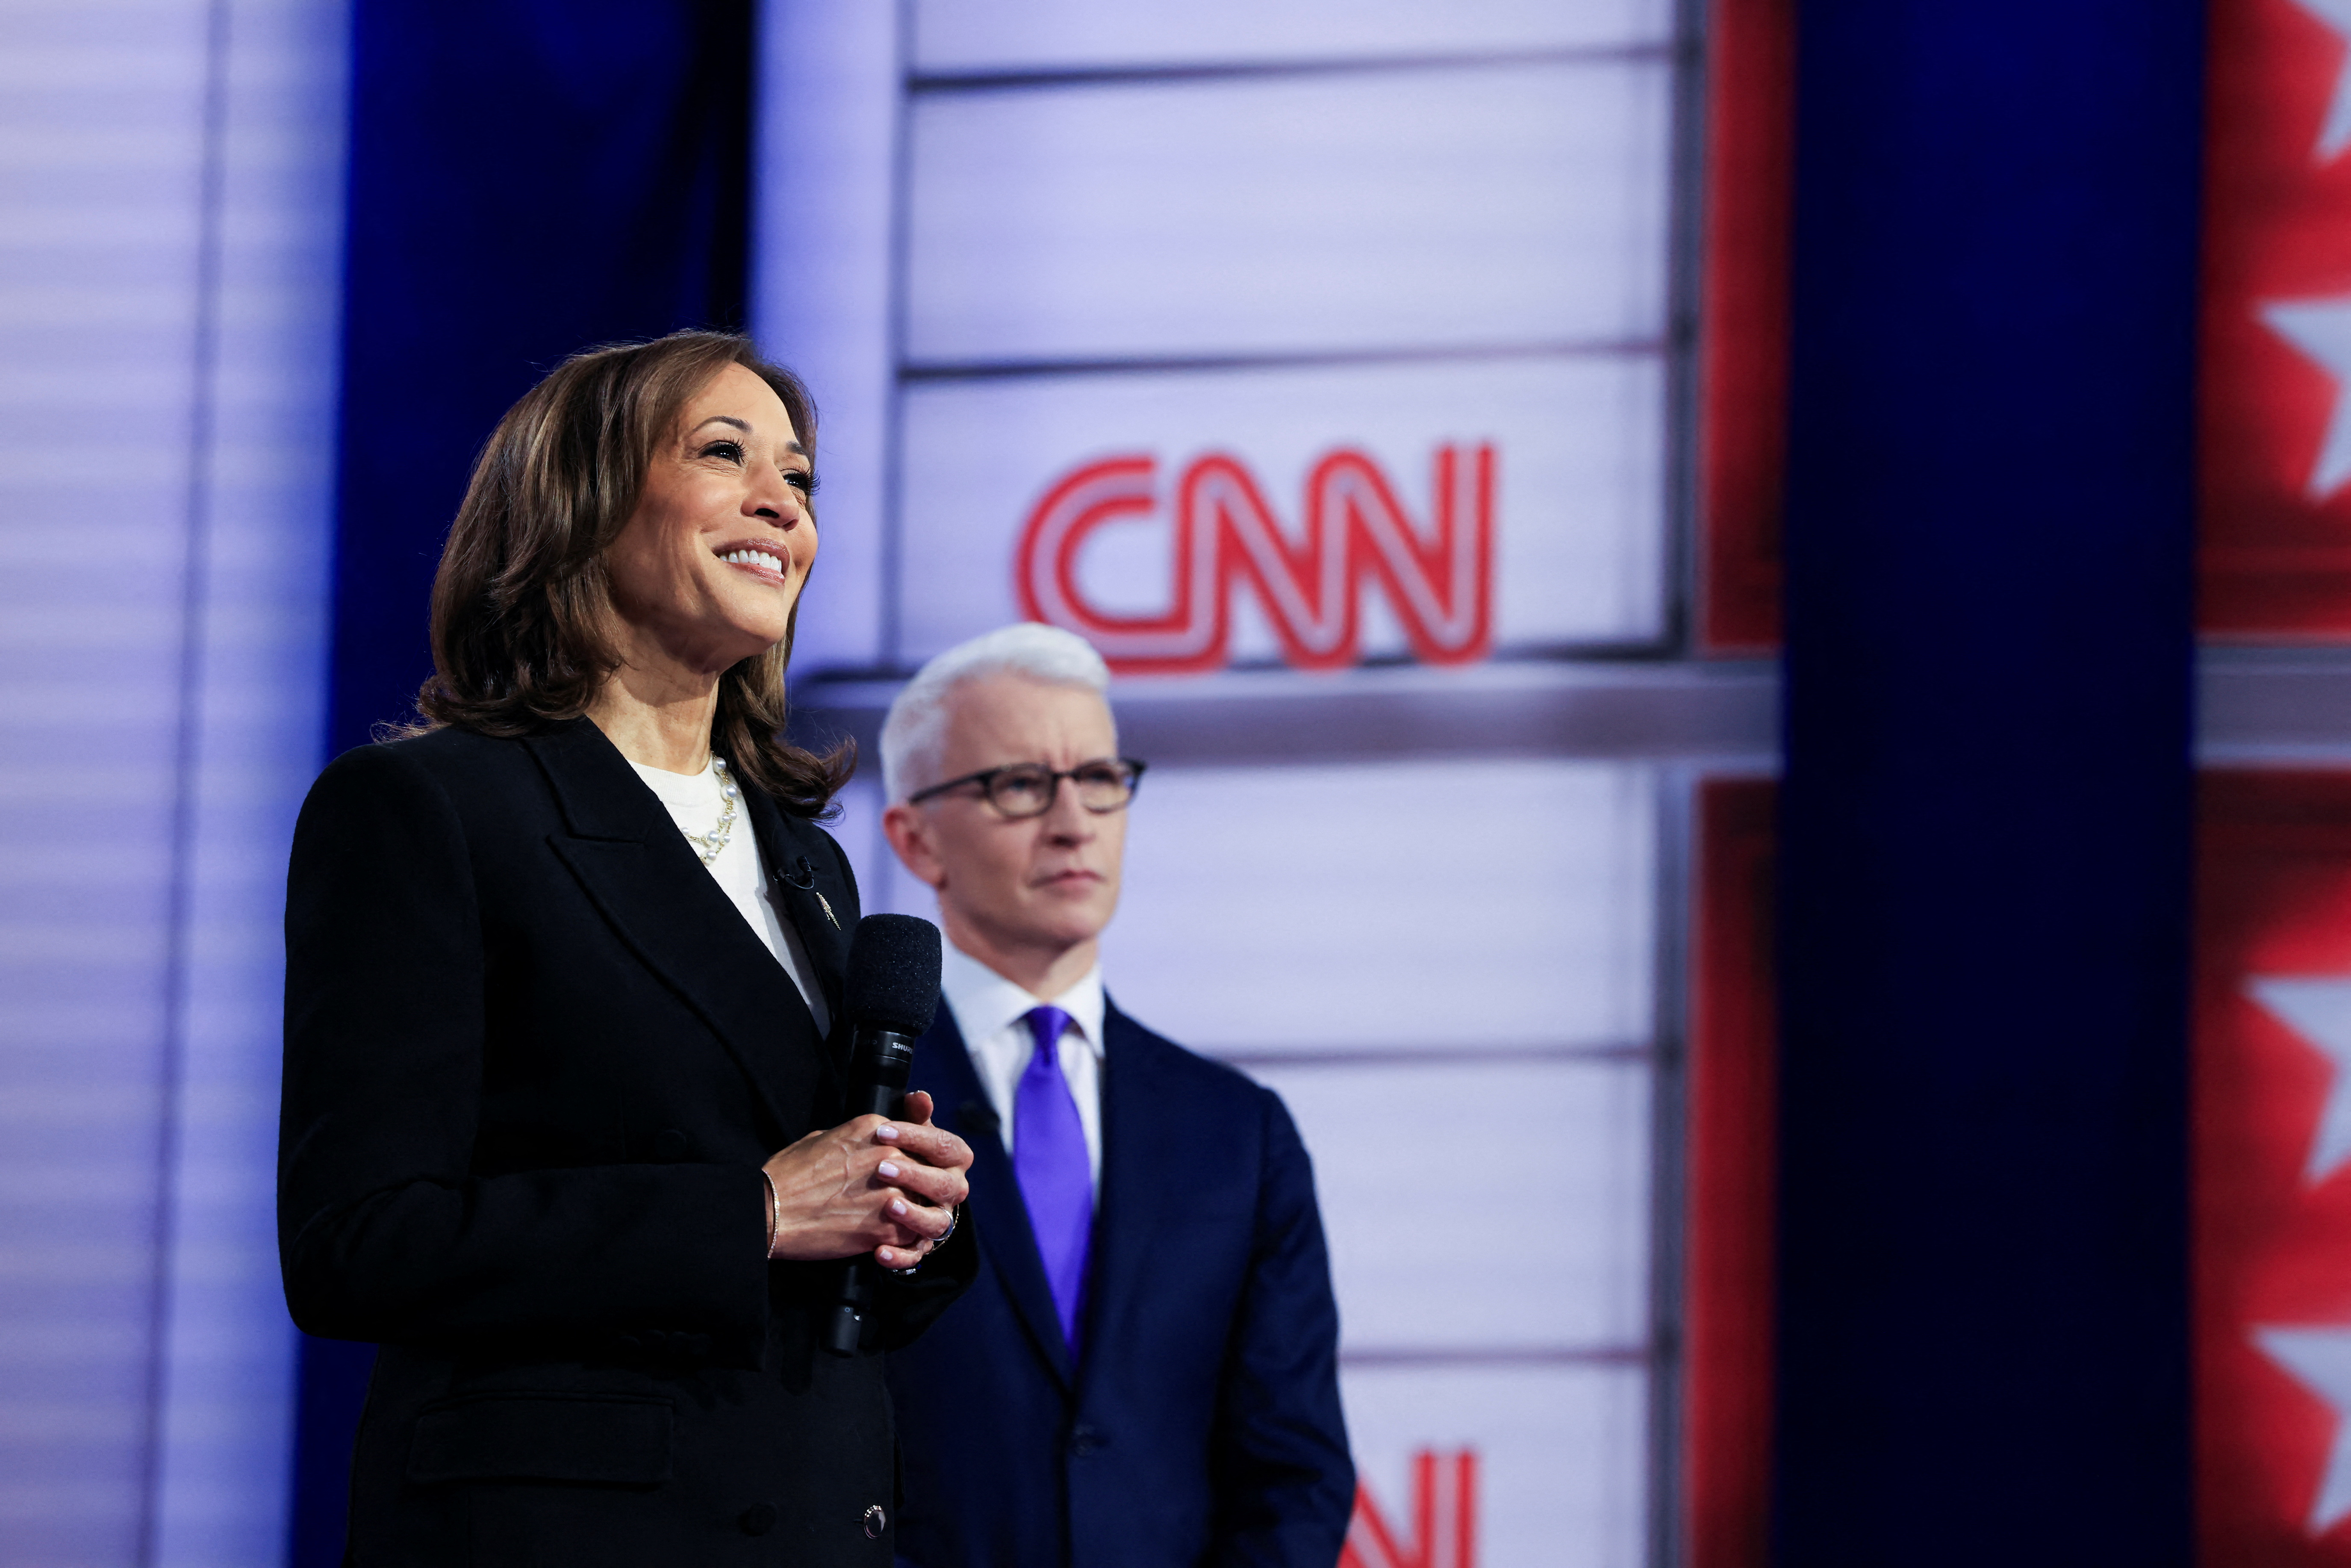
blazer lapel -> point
(808, 892)
(649, 887)
(996, 1209)
(1124, 1213)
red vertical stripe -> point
(1733, 1111)
(2275, 559)
(1743, 307)
(2271, 1249)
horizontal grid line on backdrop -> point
(1045, 79)
(1500, 1356)
(920, 83)
(1426, 1056)
(920, 372)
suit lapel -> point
(1124, 1213)
(635, 867)
(996, 1209)
(809, 892)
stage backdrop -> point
(1328, 366)
(2272, 1232)
(171, 183)
(2271, 1015)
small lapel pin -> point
(820, 903)
(803, 876)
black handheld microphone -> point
(892, 992)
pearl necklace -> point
(710, 845)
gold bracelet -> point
(774, 1210)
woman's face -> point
(708, 568)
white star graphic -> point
(2336, 134)
(2320, 1360)
(2319, 1011)
(2321, 331)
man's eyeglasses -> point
(1027, 788)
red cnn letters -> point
(1440, 581)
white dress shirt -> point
(989, 1008)
(696, 806)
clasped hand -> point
(886, 1187)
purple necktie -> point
(1048, 1156)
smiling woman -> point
(564, 971)
(590, 546)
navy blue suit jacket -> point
(1201, 1424)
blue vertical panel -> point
(1983, 1352)
(526, 179)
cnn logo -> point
(1223, 533)
(1444, 1521)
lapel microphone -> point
(892, 992)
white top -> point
(989, 1008)
(695, 805)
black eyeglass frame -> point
(986, 778)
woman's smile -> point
(760, 561)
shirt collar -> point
(984, 1001)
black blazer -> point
(534, 1060)
(1201, 1423)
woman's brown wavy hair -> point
(522, 606)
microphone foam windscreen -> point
(894, 972)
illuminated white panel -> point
(1424, 209)
(1578, 516)
(226, 1404)
(159, 724)
(1408, 1159)
(1389, 905)
(822, 285)
(1561, 1457)
(1001, 34)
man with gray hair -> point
(1144, 1375)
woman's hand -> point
(888, 1187)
